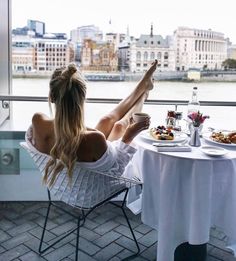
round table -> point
(185, 193)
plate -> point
(207, 137)
(179, 137)
(213, 150)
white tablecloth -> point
(184, 194)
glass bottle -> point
(194, 104)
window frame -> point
(5, 57)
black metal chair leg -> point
(44, 228)
(79, 224)
(127, 220)
(131, 230)
(77, 240)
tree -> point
(229, 64)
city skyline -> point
(138, 17)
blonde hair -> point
(67, 92)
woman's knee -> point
(107, 121)
(119, 127)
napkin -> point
(172, 147)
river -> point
(163, 90)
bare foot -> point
(147, 79)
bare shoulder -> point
(93, 145)
(97, 138)
(39, 117)
(42, 125)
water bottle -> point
(194, 104)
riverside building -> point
(200, 49)
(232, 51)
(148, 48)
(82, 33)
(51, 53)
(36, 55)
(98, 56)
(23, 53)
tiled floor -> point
(104, 236)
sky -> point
(137, 15)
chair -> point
(117, 186)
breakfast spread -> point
(162, 133)
(222, 137)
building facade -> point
(80, 34)
(23, 54)
(30, 54)
(199, 49)
(135, 55)
(232, 51)
(98, 56)
(36, 26)
(52, 53)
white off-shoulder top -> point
(92, 182)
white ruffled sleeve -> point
(114, 160)
(121, 155)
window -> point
(138, 55)
(145, 56)
(166, 56)
(40, 55)
(152, 56)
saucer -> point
(213, 151)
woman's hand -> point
(134, 129)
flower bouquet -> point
(195, 127)
(197, 118)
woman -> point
(69, 142)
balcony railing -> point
(19, 117)
(7, 98)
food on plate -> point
(161, 133)
(232, 137)
(226, 138)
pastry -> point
(161, 133)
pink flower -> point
(197, 118)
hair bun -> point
(70, 70)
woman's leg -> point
(120, 126)
(106, 124)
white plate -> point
(207, 137)
(213, 151)
(179, 137)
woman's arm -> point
(134, 129)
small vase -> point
(195, 137)
(191, 128)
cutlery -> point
(218, 130)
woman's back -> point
(92, 147)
